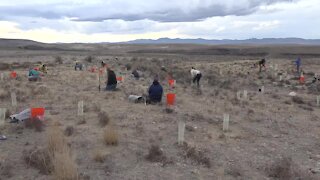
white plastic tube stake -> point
(318, 100)
(239, 95)
(262, 89)
(80, 108)
(2, 115)
(181, 128)
(226, 118)
(245, 94)
(280, 78)
(14, 99)
(2, 76)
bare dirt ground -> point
(271, 136)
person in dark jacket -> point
(155, 92)
(112, 80)
(262, 64)
(135, 74)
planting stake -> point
(2, 115)
(226, 118)
(181, 128)
(262, 89)
(318, 100)
(14, 99)
(245, 94)
(239, 95)
(80, 108)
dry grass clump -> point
(58, 60)
(156, 154)
(39, 159)
(41, 90)
(99, 155)
(35, 123)
(64, 167)
(196, 155)
(5, 168)
(110, 135)
(4, 66)
(69, 131)
(4, 94)
(297, 100)
(103, 119)
(56, 140)
(89, 59)
(284, 168)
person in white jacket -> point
(196, 76)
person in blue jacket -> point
(155, 92)
(298, 64)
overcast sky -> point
(123, 20)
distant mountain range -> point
(267, 41)
(29, 44)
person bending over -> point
(112, 80)
(196, 76)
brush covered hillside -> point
(271, 135)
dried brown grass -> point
(56, 140)
(103, 119)
(110, 135)
(99, 155)
(39, 159)
(64, 167)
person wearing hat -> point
(155, 92)
(112, 80)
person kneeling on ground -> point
(112, 80)
(44, 68)
(78, 66)
(135, 74)
(155, 92)
(196, 76)
(34, 75)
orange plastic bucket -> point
(171, 82)
(120, 78)
(37, 112)
(13, 74)
(171, 98)
(302, 79)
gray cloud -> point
(174, 11)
